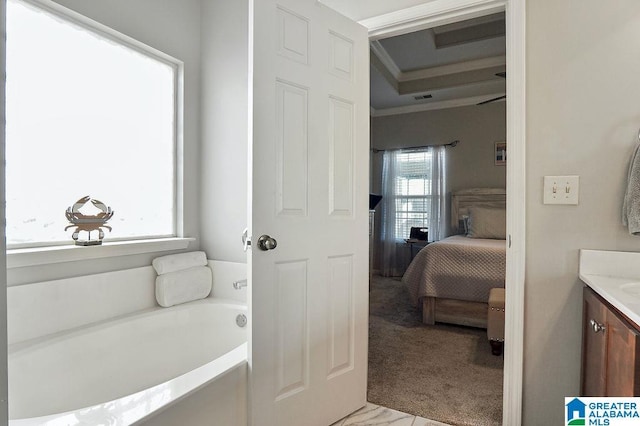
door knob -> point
(265, 243)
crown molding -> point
(428, 15)
(432, 106)
(459, 67)
(385, 59)
(465, 24)
(395, 76)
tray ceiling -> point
(441, 67)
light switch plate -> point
(561, 189)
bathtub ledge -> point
(66, 333)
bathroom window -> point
(88, 112)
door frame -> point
(441, 12)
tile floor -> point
(373, 414)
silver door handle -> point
(265, 243)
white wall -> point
(583, 117)
(173, 28)
(224, 162)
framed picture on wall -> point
(500, 153)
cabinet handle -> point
(597, 327)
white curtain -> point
(392, 259)
(395, 253)
(437, 222)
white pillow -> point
(183, 286)
(178, 262)
(487, 223)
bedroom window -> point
(89, 112)
(413, 186)
(413, 190)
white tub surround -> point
(224, 275)
(615, 276)
(43, 308)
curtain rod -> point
(451, 144)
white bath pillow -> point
(178, 262)
(183, 286)
(487, 223)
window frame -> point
(37, 253)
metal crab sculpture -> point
(88, 223)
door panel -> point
(341, 158)
(293, 35)
(622, 357)
(340, 309)
(292, 140)
(309, 190)
(291, 329)
(341, 56)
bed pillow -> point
(487, 223)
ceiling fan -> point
(499, 74)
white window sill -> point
(19, 258)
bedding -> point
(457, 267)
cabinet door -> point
(594, 345)
(623, 353)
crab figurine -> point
(88, 223)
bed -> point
(451, 278)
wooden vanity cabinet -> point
(610, 350)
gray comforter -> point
(457, 268)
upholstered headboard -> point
(475, 197)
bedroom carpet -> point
(442, 372)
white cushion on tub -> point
(178, 262)
(183, 286)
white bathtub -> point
(130, 369)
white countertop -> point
(608, 272)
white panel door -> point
(309, 192)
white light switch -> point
(561, 189)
